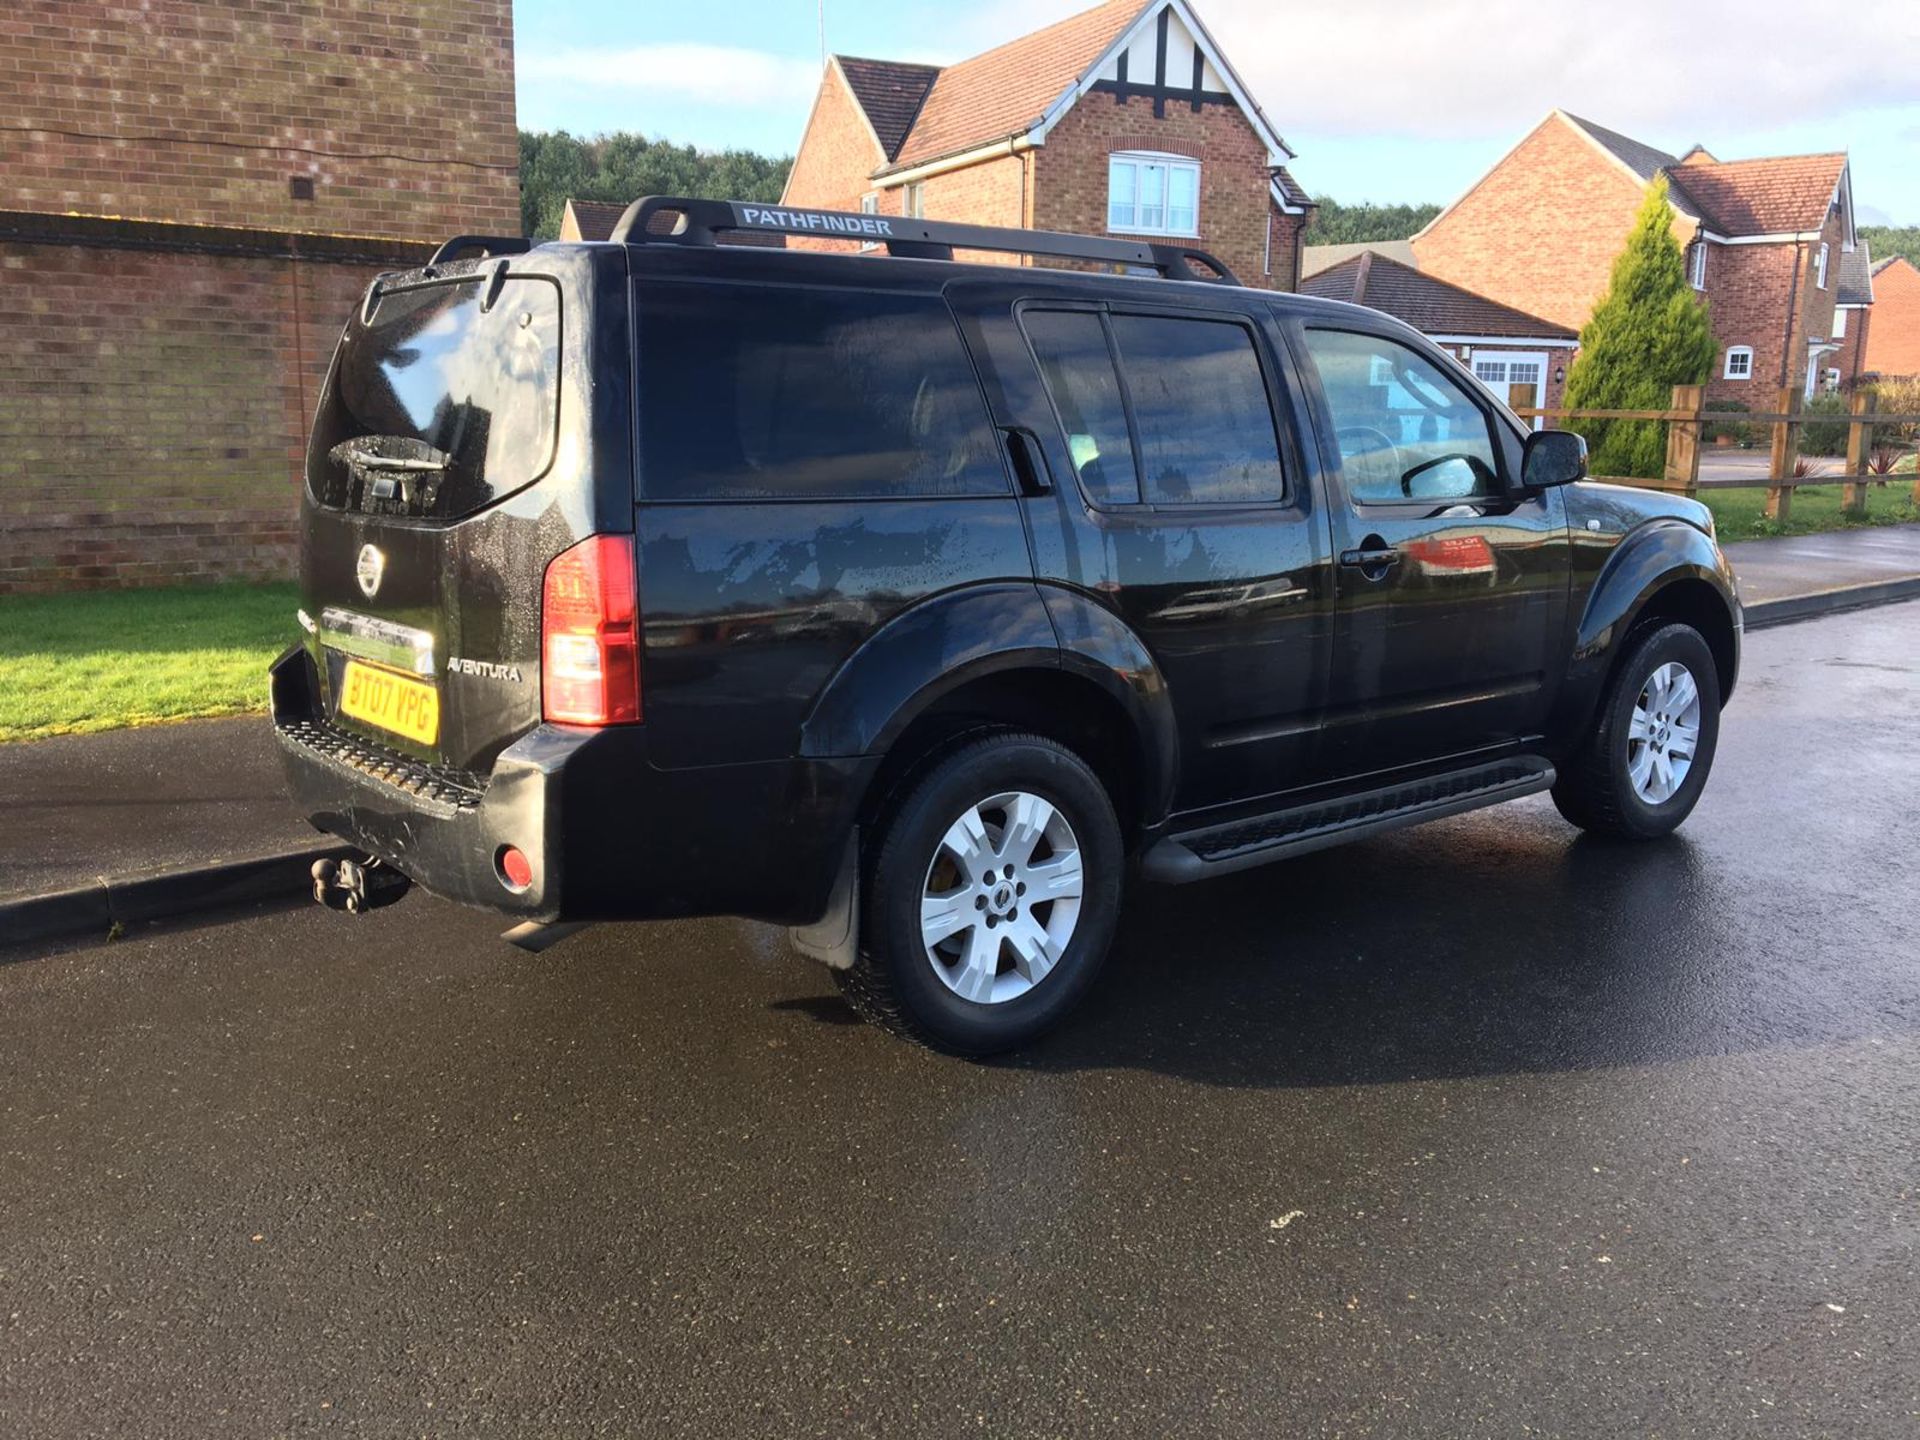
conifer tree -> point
(1649, 333)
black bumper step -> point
(1256, 840)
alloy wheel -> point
(1001, 897)
(1664, 733)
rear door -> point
(453, 455)
(815, 459)
(1451, 582)
(1178, 502)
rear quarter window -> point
(769, 392)
(436, 407)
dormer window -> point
(1153, 194)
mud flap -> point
(834, 939)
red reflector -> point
(590, 635)
(515, 868)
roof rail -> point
(485, 244)
(697, 222)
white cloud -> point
(706, 74)
(1666, 73)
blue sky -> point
(1383, 99)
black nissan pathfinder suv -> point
(912, 603)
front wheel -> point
(1641, 771)
(991, 898)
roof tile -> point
(891, 92)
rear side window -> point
(757, 392)
(1185, 419)
(436, 407)
(1200, 404)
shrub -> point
(1736, 431)
(1898, 397)
(1648, 334)
(1824, 435)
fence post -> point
(1859, 446)
(1525, 397)
(1683, 441)
(1786, 449)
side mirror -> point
(1553, 457)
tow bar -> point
(357, 886)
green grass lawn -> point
(105, 659)
(1740, 514)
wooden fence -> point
(1688, 419)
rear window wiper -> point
(391, 474)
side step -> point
(1255, 840)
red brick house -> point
(1504, 347)
(1765, 240)
(1852, 315)
(192, 199)
(1125, 119)
(1893, 345)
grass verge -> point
(106, 659)
(1741, 514)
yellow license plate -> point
(391, 701)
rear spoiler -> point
(699, 222)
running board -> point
(1256, 840)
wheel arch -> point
(995, 656)
(1664, 569)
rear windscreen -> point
(438, 404)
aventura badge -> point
(485, 669)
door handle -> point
(1370, 558)
(1029, 460)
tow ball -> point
(357, 886)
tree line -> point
(556, 167)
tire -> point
(1613, 784)
(980, 988)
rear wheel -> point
(1642, 770)
(991, 896)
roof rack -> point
(485, 244)
(698, 222)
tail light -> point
(590, 635)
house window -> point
(1697, 265)
(917, 201)
(1820, 266)
(1150, 194)
(870, 205)
(1840, 323)
(1831, 378)
(1739, 363)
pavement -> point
(134, 825)
(1787, 578)
(1482, 1128)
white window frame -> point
(870, 205)
(1820, 266)
(913, 203)
(1839, 322)
(1697, 266)
(1727, 371)
(1139, 161)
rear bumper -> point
(610, 836)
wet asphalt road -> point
(1476, 1129)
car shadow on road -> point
(1475, 947)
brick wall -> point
(153, 411)
(1893, 343)
(837, 153)
(402, 115)
(1070, 178)
(1748, 289)
(1541, 231)
(1852, 358)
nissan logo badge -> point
(372, 565)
